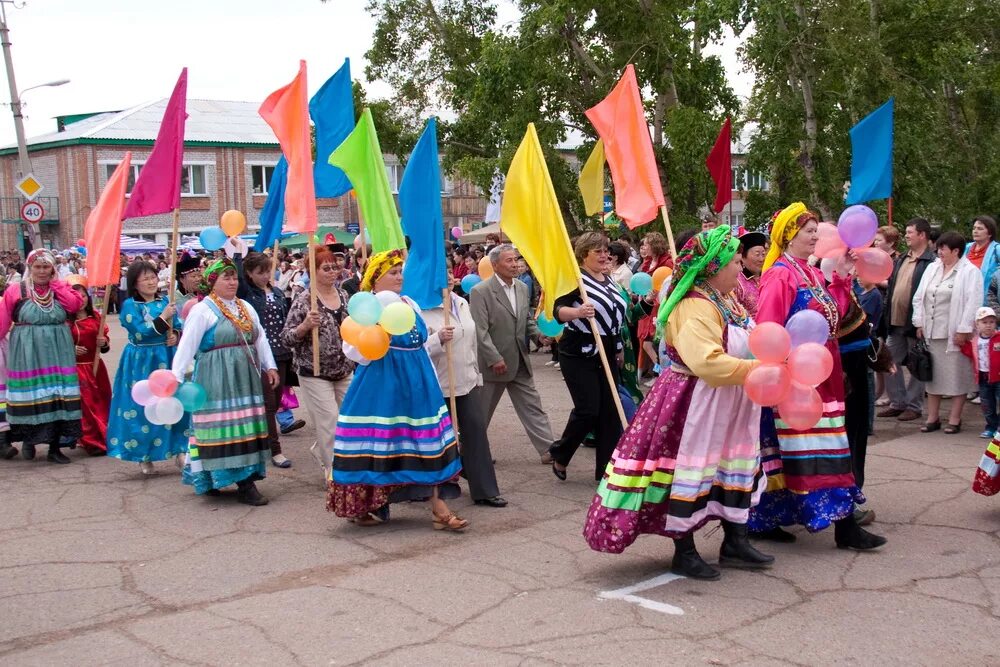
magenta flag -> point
(158, 188)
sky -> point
(121, 53)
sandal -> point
(930, 427)
(452, 522)
(952, 429)
(367, 520)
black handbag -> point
(918, 361)
(879, 356)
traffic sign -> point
(32, 212)
(29, 186)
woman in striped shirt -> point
(593, 401)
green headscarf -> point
(216, 269)
(702, 257)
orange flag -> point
(620, 121)
(103, 230)
(286, 110)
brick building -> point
(229, 156)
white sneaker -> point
(147, 468)
(551, 363)
(555, 365)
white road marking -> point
(626, 594)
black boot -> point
(248, 494)
(737, 551)
(689, 563)
(849, 535)
(56, 456)
(7, 450)
(27, 452)
(775, 535)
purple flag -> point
(158, 188)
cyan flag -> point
(424, 273)
(273, 213)
(332, 110)
(871, 159)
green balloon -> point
(191, 395)
(397, 318)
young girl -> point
(95, 388)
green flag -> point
(360, 157)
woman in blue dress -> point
(153, 327)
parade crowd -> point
(695, 449)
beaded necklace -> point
(731, 309)
(46, 302)
(819, 293)
(241, 319)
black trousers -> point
(474, 444)
(856, 409)
(593, 411)
(272, 403)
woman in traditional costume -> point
(95, 388)
(43, 392)
(691, 454)
(394, 439)
(224, 339)
(810, 476)
(153, 327)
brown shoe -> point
(890, 412)
(908, 416)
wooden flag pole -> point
(172, 287)
(100, 327)
(670, 233)
(446, 304)
(274, 259)
(604, 357)
(890, 211)
(312, 299)
(364, 241)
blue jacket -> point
(991, 262)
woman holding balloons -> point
(321, 389)
(394, 439)
(224, 339)
(153, 327)
(808, 459)
(690, 456)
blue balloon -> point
(641, 284)
(82, 251)
(364, 308)
(212, 238)
(470, 281)
(550, 328)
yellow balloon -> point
(485, 268)
(397, 318)
(233, 222)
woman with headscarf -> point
(691, 454)
(224, 339)
(153, 327)
(90, 342)
(753, 247)
(43, 392)
(810, 473)
(394, 439)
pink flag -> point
(158, 188)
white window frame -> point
(264, 166)
(137, 165)
(394, 174)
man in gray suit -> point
(503, 318)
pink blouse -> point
(70, 301)
(779, 285)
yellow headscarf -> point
(378, 266)
(783, 229)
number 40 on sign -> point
(32, 212)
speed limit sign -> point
(32, 212)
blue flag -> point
(871, 159)
(332, 110)
(425, 273)
(273, 214)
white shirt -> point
(984, 354)
(510, 292)
(198, 322)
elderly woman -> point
(810, 473)
(654, 253)
(394, 439)
(753, 248)
(983, 251)
(224, 339)
(944, 313)
(152, 326)
(594, 407)
(321, 389)
(690, 456)
(43, 392)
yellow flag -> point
(592, 180)
(531, 218)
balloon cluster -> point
(164, 400)
(643, 283)
(372, 318)
(80, 248)
(794, 361)
(231, 224)
(855, 230)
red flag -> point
(286, 110)
(158, 188)
(620, 121)
(103, 229)
(720, 166)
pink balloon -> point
(802, 408)
(768, 384)
(186, 308)
(873, 265)
(810, 364)
(829, 246)
(770, 343)
(162, 383)
(142, 394)
(827, 230)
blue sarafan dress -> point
(394, 438)
(130, 435)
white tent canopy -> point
(133, 246)
(479, 236)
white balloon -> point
(169, 410)
(385, 297)
(827, 265)
(234, 245)
(152, 413)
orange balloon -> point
(768, 384)
(485, 268)
(770, 342)
(350, 330)
(373, 342)
(660, 275)
(233, 222)
(874, 264)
